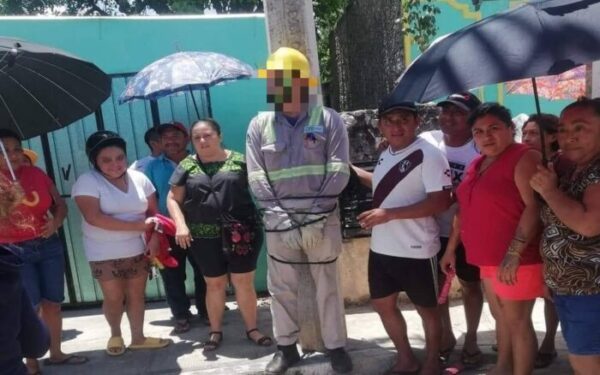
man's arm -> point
(274, 216)
(337, 165)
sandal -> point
(445, 353)
(115, 346)
(263, 341)
(471, 359)
(151, 343)
(70, 359)
(181, 326)
(543, 360)
(211, 344)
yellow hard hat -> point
(288, 59)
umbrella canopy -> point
(43, 89)
(536, 39)
(567, 85)
(184, 71)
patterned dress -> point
(571, 260)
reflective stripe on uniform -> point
(338, 166)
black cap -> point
(463, 100)
(389, 104)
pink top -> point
(490, 210)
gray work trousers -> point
(283, 283)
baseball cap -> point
(172, 125)
(463, 100)
(389, 104)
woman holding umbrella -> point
(571, 237)
(506, 249)
(39, 245)
(548, 124)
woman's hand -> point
(51, 226)
(183, 237)
(507, 272)
(448, 262)
(545, 180)
(153, 246)
(369, 219)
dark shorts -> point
(214, 262)
(122, 268)
(417, 277)
(580, 322)
(465, 271)
(43, 270)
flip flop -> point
(543, 360)
(471, 359)
(71, 359)
(402, 372)
(151, 343)
(115, 346)
(453, 369)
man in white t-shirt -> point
(152, 139)
(456, 142)
(411, 183)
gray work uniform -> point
(294, 170)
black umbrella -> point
(43, 89)
(539, 38)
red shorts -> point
(529, 285)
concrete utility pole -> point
(291, 23)
(595, 89)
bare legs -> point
(517, 344)
(395, 326)
(125, 296)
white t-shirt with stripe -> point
(429, 172)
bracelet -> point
(518, 239)
(513, 252)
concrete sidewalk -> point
(86, 332)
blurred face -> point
(453, 121)
(15, 154)
(399, 128)
(491, 135)
(579, 135)
(531, 137)
(205, 139)
(173, 142)
(112, 162)
(287, 91)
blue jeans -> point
(43, 270)
(174, 282)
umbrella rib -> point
(79, 78)
(55, 84)
(12, 116)
(34, 98)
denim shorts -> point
(43, 270)
(580, 322)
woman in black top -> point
(216, 219)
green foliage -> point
(327, 14)
(418, 19)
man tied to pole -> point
(297, 157)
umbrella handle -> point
(10, 168)
(539, 111)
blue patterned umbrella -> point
(185, 71)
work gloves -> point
(312, 231)
(292, 237)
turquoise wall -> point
(456, 14)
(121, 45)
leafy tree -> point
(418, 18)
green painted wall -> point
(121, 45)
(456, 14)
